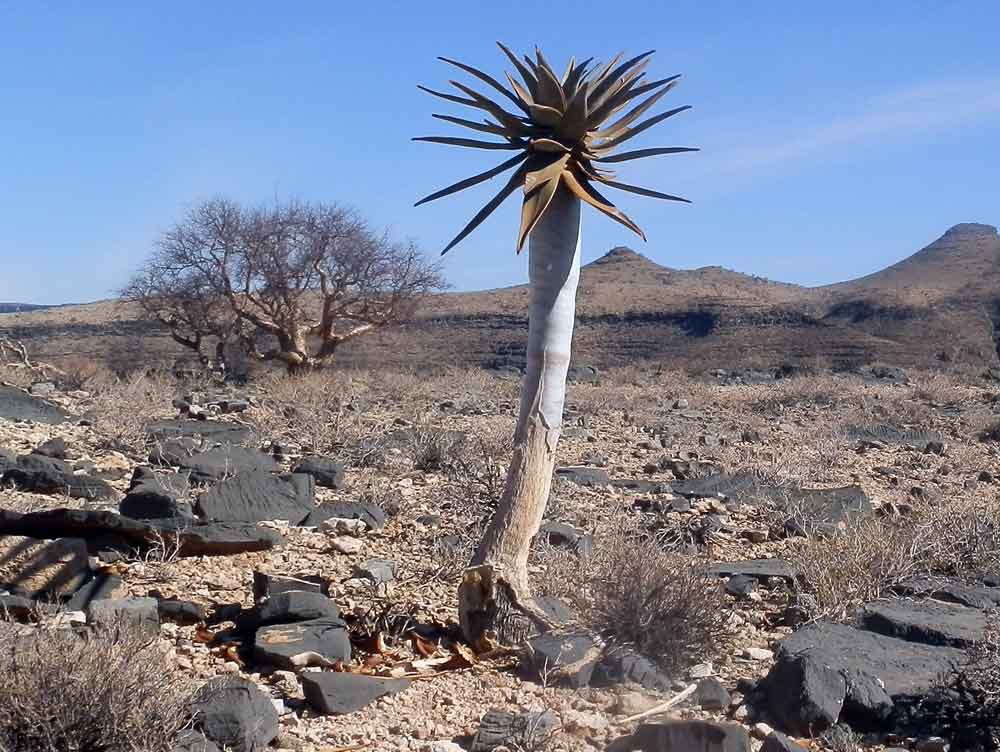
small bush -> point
(667, 606)
(122, 408)
(63, 692)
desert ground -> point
(797, 557)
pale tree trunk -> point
(495, 604)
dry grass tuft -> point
(65, 692)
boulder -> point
(621, 665)
(778, 742)
(567, 659)
(36, 567)
(371, 514)
(377, 570)
(712, 695)
(8, 459)
(337, 693)
(16, 404)
(235, 714)
(225, 539)
(826, 671)
(190, 740)
(258, 496)
(153, 496)
(952, 591)
(212, 465)
(46, 475)
(139, 614)
(291, 646)
(328, 472)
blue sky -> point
(836, 137)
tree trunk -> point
(495, 604)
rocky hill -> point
(940, 304)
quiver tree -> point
(308, 276)
(567, 130)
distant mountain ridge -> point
(19, 307)
(941, 304)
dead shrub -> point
(872, 555)
(477, 466)
(65, 692)
(665, 605)
(121, 409)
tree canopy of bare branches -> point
(311, 276)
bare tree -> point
(311, 276)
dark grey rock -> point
(888, 434)
(690, 736)
(55, 448)
(328, 472)
(567, 659)
(337, 693)
(212, 465)
(757, 568)
(8, 459)
(778, 742)
(226, 539)
(258, 496)
(190, 740)
(528, 730)
(371, 514)
(952, 591)
(22, 608)
(583, 375)
(152, 496)
(584, 476)
(140, 614)
(621, 665)
(101, 586)
(266, 585)
(235, 714)
(294, 606)
(712, 695)
(283, 645)
(560, 534)
(641, 485)
(825, 669)
(180, 611)
(927, 622)
(741, 585)
(16, 404)
(42, 389)
(215, 431)
(48, 475)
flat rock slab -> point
(291, 646)
(329, 473)
(138, 614)
(371, 514)
(214, 431)
(757, 568)
(927, 622)
(825, 670)
(19, 405)
(809, 509)
(336, 693)
(568, 659)
(258, 496)
(582, 475)
(37, 473)
(621, 665)
(294, 606)
(214, 464)
(39, 567)
(889, 434)
(211, 539)
(974, 596)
